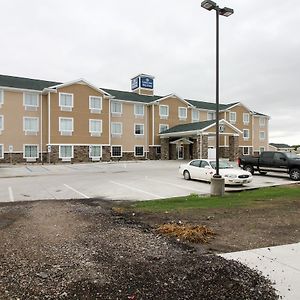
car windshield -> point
(292, 155)
(222, 165)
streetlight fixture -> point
(217, 184)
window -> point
(164, 111)
(262, 121)
(1, 123)
(279, 156)
(1, 98)
(246, 134)
(262, 135)
(163, 127)
(182, 113)
(158, 150)
(232, 117)
(245, 150)
(95, 127)
(139, 110)
(30, 151)
(204, 164)
(195, 115)
(246, 118)
(139, 151)
(1, 151)
(211, 115)
(66, 152)
(66, 101)
(116, 128)
(116, 107)
(116, 151)
(95, 104)
(261, 149)
(95, 151)
(139, 129)
(66, 126)
(30, 125)
(31, 101)
(195, 163)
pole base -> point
(217, 187)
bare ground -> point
(82, 250)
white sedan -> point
(204, 169)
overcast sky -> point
(109, 42)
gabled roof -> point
(189, 127)
(259, 114)
(206, 105)
(25, 83)
(131, 96)
(282, 146)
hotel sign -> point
(144, 82)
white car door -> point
(208, 171)
(194, 168)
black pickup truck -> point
(270, 161)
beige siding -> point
(257, 128)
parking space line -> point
(72, 189)
(135, 189)
(11, 194)
(173, 184)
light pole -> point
(217, 184)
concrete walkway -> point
(281, 264)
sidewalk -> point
(281, 264)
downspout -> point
(146, 131)
(49, 125)
(153, 125)
(41, 129)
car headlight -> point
(231, 176)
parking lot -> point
(141, 180)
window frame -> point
(94, 110)
(139, 146)
(246, 122)
(30, 105)
(260, 151)
(32, 118)
(2, 122)
(90, 152)
(121, 151)
(66, 107)
(244, 153)
(141, 105)
(159, 128)
(198, 113)
(139, 134)
(248, 137)
(213, 115)
(264, 135)
(95, 133)
(113, 133)
(59, 125)
(164, 116)
(65, 157)
(111, 106)
(1, 151)
(180, 109)
(262, 124)
(31, 145)
(1, 97)
(232, 113)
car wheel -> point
(295, 174)
(262, 172)
(249, 168)
(186, 175)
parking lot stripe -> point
(11, 194)
(135, 189)
(172, 184)
(83, 195)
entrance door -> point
(211, 153)
(180, 152)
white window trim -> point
(182, 117)
(66, 106)
(262, 150)
(198, 113)
(160, 125)
(135, 146)
(2, 151)
(139, 134)
(117, 134)
(95, 132)
(1, 97)
(59, 151)
(244, 151)
(2, 123)
(232, 113)
(37, 151)
(247, 121)
(35, 118)
(262, 124)
(116, 113)
(112, 151)
(28, 105)
(164, 116)
(64, 118)
(246, 138)
(262, 139)
(90, 155)
(213, 115)
(139, 115)
(95, 110)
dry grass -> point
(191, 233)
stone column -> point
(165, 152)
(106, 153)
(200, 147)
(233, 148)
